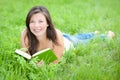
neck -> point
(42, 39)
(44, 43)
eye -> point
(31, 21)
(40, 21)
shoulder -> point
(59, 36)
(24, 32)
(24, 38)
(59, 33)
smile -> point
(37, 30)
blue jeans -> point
(82, 38)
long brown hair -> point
(51, 33)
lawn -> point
(98, 60)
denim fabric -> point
(84, 36)
(79, 38)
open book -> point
(47, 55)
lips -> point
(37, 30)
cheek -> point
(44, 28)
(31, 25)
(31, 28)
(44, 25)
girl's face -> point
(38, 25)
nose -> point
(37, 25)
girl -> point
(40, 34)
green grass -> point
(99, 60)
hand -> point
(40, 63)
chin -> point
(39, 34)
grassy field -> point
(98, 60)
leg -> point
(84, 36)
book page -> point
(26, 55)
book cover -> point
(47, 55)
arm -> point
(59, 49)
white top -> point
(67, 44)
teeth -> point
(36, 30)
